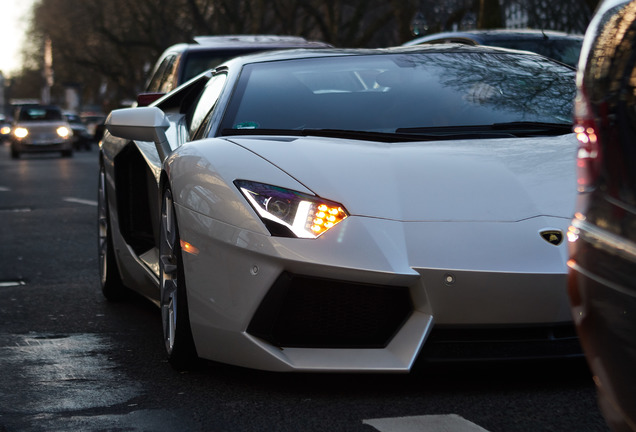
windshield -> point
(387, 93)
(197, 62)
(40, 114)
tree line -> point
(105, 49)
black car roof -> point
(290, 54)
(484, 36)
(257, 40)
(207, 43)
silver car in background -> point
(40, 128)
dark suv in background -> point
(602, 276)
(181, 62)
(563, 47)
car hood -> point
(467, 180)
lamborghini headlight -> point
(286, 212)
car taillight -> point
(588, 160)
(145, 99)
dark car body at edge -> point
(602, 275)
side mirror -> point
(141, 124)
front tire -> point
(112, 286)
(175, 316)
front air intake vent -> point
(308, 312)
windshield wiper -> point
(332, 133)
(510, 129)
(496, 130)
(400, 135)
(534, 128)
(360, 135)
(455, 132)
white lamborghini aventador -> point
(348, 210)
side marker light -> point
(189, 248)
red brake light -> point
(588, 159)
(145, 99)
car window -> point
(40, 114)
(384, 93)
(197, 62)
(564, 50)
(162, 75)
(72, 118)
(205, 105)
(168, 78)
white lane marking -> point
(8, 284)
(4, 189)
(428, 423)
(16, 210)
(81, 201)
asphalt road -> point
(70, 360)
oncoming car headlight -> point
(20, 132)
(63, 132)
(286, 212)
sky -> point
(14, 21)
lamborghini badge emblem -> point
(554, 237)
